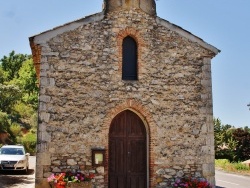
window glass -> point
(12, 151)
(129, 59)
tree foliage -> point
(19, 96)
(9, 95)
(224, 142)
(15, 129)
(11, 64)
(242, 150)
(4, 122)
(3, 75)
(231, 143)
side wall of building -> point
(81, 90)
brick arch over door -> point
(150, 125)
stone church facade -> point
(132, 85)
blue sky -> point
(222, 23)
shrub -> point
(240, 166)
(15, 129)
(29, 142)
(232, 167)
(222, 162)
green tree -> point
(3, 75)
(9, 95)
(18, 99)
(15, 129)
(5, 128)
(27, 81)
(225, 144)
(242, 151)
(247, 129)
(29, 142)
(12, 64)
(217, 134)
(4, 122)
(26, 115)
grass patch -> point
(225, 165)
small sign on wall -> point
(98, 157)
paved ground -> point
(19, 179)
(225, 180)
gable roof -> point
(186, 34)
(36, 40)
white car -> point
(13, 157)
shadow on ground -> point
(16, 177)
(30, 172)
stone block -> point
(100, 170)
(45, 66)
(208, 169)
(43, 159)
(160, 172)
(39, 171)
(71, 162)
(44, 117)
(56, 162)
(44, 98)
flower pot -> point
(58, 185)
(85, 184)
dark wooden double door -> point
(127, 152)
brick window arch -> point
(129, 59)
(140, 44)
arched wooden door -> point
(127, 152)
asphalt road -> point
(17, 179)
(225, 180)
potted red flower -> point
(191, 183)
(70, 180)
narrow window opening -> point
(129, 59)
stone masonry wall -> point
(81, 90)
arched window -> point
(129, 59)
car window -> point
(12, 151)
(19, 152)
